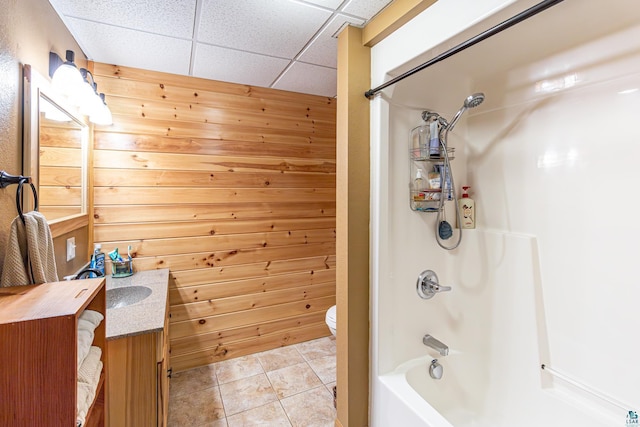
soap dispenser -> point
(467, 210)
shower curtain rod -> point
(534, 10)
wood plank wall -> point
(232, 188)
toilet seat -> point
(330, 319)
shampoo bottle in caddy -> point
(467, 210)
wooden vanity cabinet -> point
(38, 346)
(138, 379)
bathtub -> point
(544, 278)
(494, 324)
(413, 399)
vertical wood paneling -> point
(231, 187)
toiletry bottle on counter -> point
(98, 255)
(467, 210)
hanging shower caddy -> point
(427, 167)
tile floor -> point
(288, 386)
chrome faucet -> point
(84, 273)
(435, 344)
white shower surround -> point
(549, 274)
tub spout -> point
(435, 344)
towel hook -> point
(8, 179)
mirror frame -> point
(35, 86)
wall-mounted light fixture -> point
(79, 87)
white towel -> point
(87, 323)
(94, 317)
(88, 378)
(86, 395)
(85, 339)
(29, 258)
(87, 371)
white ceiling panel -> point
(365, 8)
(329, 4)
(276, 27)
(121, 46)
(285, 44)
(218, 63)
(307, 78)
(323, 50)
(169, 17)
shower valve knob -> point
(428, 286)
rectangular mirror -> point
(56, 143)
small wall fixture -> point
(79, 87)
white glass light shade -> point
(67, 79)
(89, 101)
(102, 116)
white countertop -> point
(142, 317)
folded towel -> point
(85, 339)
(82, 398)
(29, 258)
(86, 395)
(87, 324)
(88, 378)
(92, 316)
(87, 371)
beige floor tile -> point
(293, 379)
(217, 423)
(238, 368)
(247, 393)
(195, 409)
(325, 368)
(279, 358)
(317, 348)
(330, 387)
(193, 380)
(271, 415)
(313, 408)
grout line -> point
(286, 414)
(194, 36)
(334, 13)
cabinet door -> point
(163, 371)
(132, 381)
(163, 393)
(163, 374)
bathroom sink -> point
(123, 297)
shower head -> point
(472, 101)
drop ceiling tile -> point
(276, 27)
(331, 4)
(365, 8)
(307, 78)
(121, 46)
(168, 17)
(219, 63)
(324, 50)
